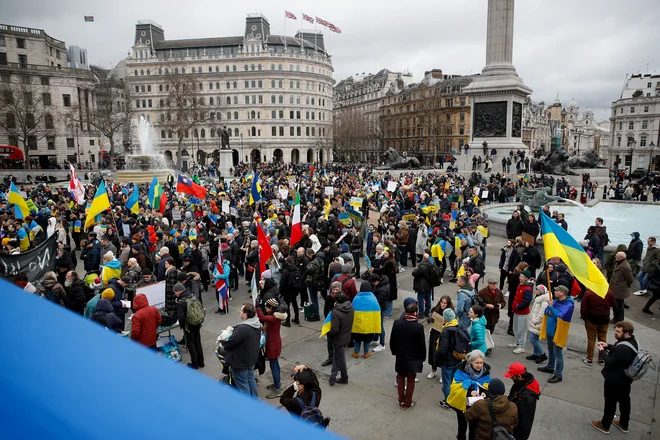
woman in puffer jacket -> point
(537, 311)
(477, 329)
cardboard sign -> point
(283, 193)
(225, 206)
(528, 238)
(329, 191)
(344, 218)
(484, 194)
(409, 217)
(356, 202)
(391, 186)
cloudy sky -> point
(583, 49)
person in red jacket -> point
(145, 322)
(347, 281)
(272, 321)
(521, 301)
(595, 311)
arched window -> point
(203, 133)
(272, 67)
(213, 132)
(199, 69)
(234, 68)
(212, 116)
(281, 99)
(254, 131)
(226, 68)
(196, 133)
(136, 74)
(48, 120)
(228, 100)
(148, 72)
(290, 84)
(280, 84)
(183, 70)
(259, 67)
(211, 100)
(236, 132)
(228, 85)
(229, 116)
(272, 84)
(169, 134)
(235, 85)
(200, 86)
(162, 117)
(176, 70)
(279, 67)
(162, 134)
(160, 88)
(272, 99)
(141, 72)
(252, 114)
(260, 84)
(252, 67)
(297, 84)
(235, 115)
(245, 67)
(235, 99)
(210, 86)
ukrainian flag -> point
(454, 216)
(255, 191)
(23, 239)
(326, 325)
(366, 319)
(558, 243)
(99, 204)
(132, 202)
(21, 208)
(110, 270)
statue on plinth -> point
(590, 159)
(536, 198)
(224, 138)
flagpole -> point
(285, 49)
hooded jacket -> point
(539, 304)
(272, 325)
(478, 334)
(342, 323)
(622, 279)
(408, 345)
(146, 320)
(505, 412)
(524, 394)
(105, 310)
(635, 248)
(422, 277)
(243, 345)
(382, 292)
(75, 297)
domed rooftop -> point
(573, 104)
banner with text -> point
(35, 263)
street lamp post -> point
(242, 150)
(579, 133)
(651, 148)
(632, 151)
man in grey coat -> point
(339, 336)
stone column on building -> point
(499, 38)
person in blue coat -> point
(477, 329)
(105, 315)
(466, 297)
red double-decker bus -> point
(11, 157)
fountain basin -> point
(621, 218)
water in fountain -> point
(148, 158)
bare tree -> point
(24, 112)
(112, 110)
(431, 117)
(350, 132)
(184, 105)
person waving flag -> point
(296, 226)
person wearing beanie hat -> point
(444, 357)
(90, 307)
(524, 393)
(505, 412)
(471, 379)
(191, 333)
(272, 320)
(108, 294)
(147, 278)
(408, 345)
(556, 323)
(521, 302)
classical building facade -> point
(635, 124)
(536, 133)
(356, 111)
(35, 70)
(272, 93)
(429, 118)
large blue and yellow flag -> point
(558, 243)
(100, 203)
(155, 191)
(255, 191)
(366, 319)
(326, 325)
(132, 202)
(21, 208)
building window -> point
(281, 99)
(291, 131)
(646, 109)
(22, 61)
(66, 99)
(3, 43)
(642, 141)
(307, 131)
(462, 117)
(48, 121)
(69, 143)
(253, 84)
(645, 125)
(235, 115)
(20, 43)
(281, 114)
(273, 131)
(298, 131)
(632, 109)
(298, 114)
(631, 125)
(281, 131)
(461, 130)
(247, 99)
(32, 142)
(45, 98)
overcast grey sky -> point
(581, 48)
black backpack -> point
(499, 431)
(434, 276)
(295, 281)
(461, 344)
(311, 413)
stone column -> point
(499, 37)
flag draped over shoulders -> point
(326, 325)
(366, 318)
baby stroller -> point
(220, 352)
(93, 284)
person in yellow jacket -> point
(471, 379)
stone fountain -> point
(140, 167)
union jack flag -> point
(308, 18)
(322, 21)
(221, 283)
(334, 28)
(290, 15)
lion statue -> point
(555, 162)
(395, 161)
(589, 159)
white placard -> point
(284, 193)
(391, 186)
(484, 194)
(329, 191)
(225, 206)
(155, 294)
(375, 188)
(127, 230)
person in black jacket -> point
(191, 332)
(92, 253)
(104, 315)
(634, 252)
(618, 358)
(563, 277)
(531, 226)
(408, 345)
(290, 283)
(444, 358)
(524, 393)
(305, 386)
(532, 257)
(356, 248)
(514, 227)
(339, 336)
(381, 286)
(74, 299)
(242, 350)
(422, 285)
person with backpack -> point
(408, 345)
(524, 393)
(339, 335)
(290, 284)
(521, 301)
(303, 397)
(451, 348)
(471, 379)
(465, 298)
(190, 314)
(381, 286)
(272, 321)
(424, 279)
(618, 359)
(495, 417)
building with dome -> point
(269, 95)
